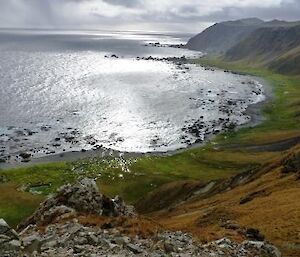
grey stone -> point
(122, 240)
(80, 240)
(83, 197)
(92, 239)
(169, 247)
(32, 243)
(9, 241)
(134, 248)
(4, 239)
(3, 227)
(264, 248)
(49, 244)
(15, 245)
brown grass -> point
(16, 205)
(131, 226)
(276, 212)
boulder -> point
(10, 244)
(254, 234)
(32, 243)
(134, 248)
(82, 197)
(6, 230)
(261, 248)
(25, 155)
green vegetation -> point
(282, 57)
(288, 63)
(21, 189)
(282, 113)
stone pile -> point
(72, 239)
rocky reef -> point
(79, 221)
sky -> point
(151, 15)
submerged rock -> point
(25, 156)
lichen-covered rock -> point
(83, 197)
(10, 244)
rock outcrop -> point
(9, 241)
(80, 198)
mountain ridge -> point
(276, 48)
(222, 36)
(274, 44)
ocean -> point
(66, 91)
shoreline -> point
(253, 110)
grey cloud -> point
(126, 3)
(286, 11)
(169, 14)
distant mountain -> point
(274, 44)
(276, 47)
(288, 63)
(222, 36)
(279, 23)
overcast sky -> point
(156, 15)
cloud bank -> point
(191, 15)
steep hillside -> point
(271, 46)
(263, 201)
(222, 36)
(274, 44)
(80, 221)
(288, 63)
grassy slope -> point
(275, 211)
(134, 178)
(276, 214)
(288, 62)
(282, 57)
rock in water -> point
(83, 197)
